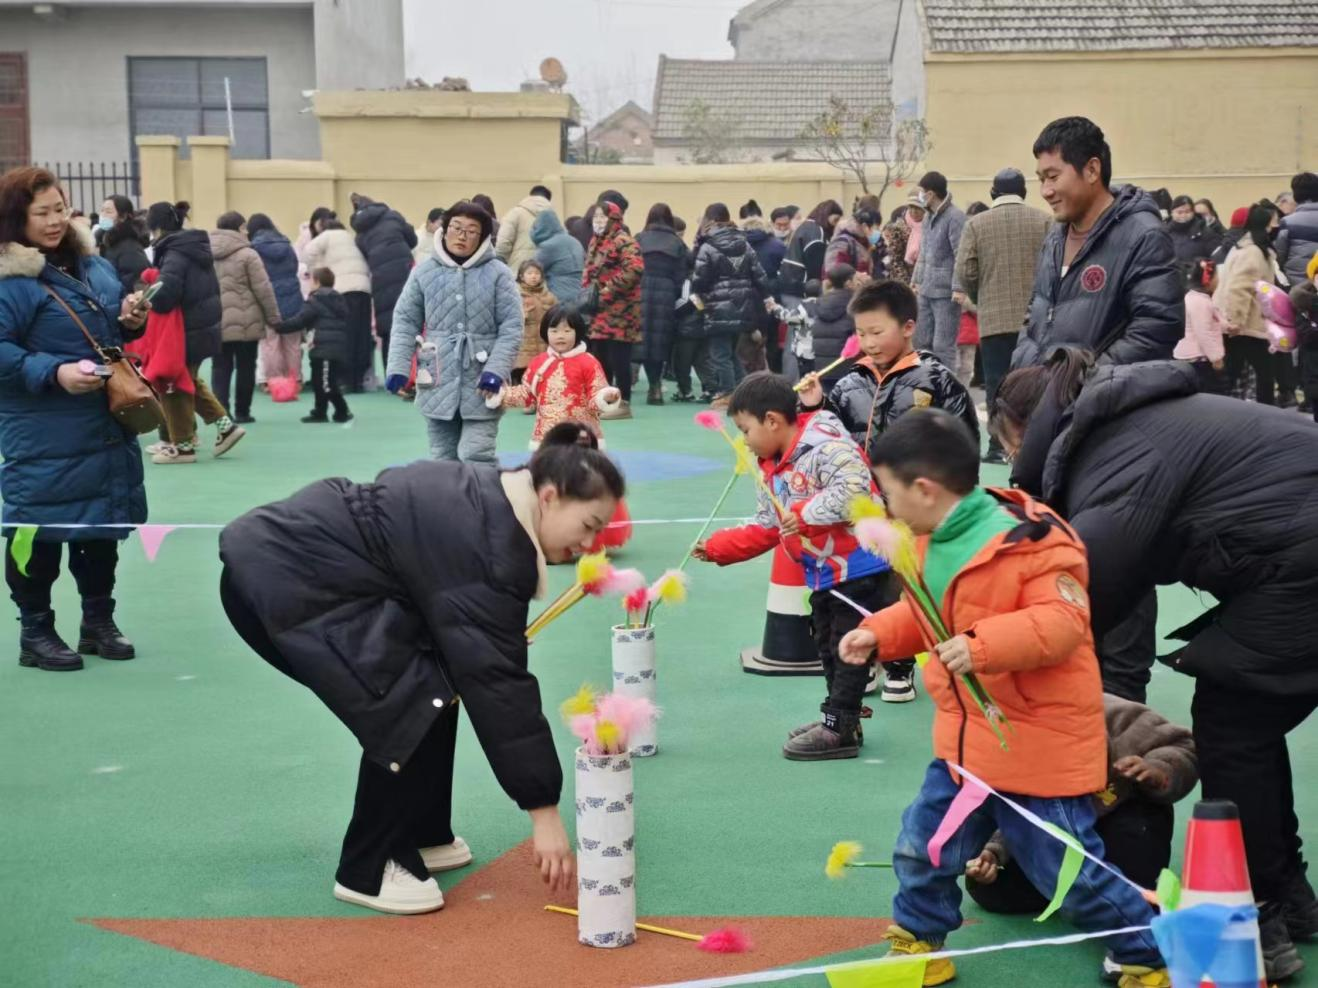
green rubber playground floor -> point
(196, 783)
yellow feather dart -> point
(580, 702)
(609, 736)
(843, 853)
(864, 506)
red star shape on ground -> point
(493, 931)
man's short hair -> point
(934, 182)
(1078, 140)
(541, 191)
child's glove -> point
(490, 383)
(395, 383)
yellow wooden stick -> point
(799, 386)
(640, 926)
(573, 596)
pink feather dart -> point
(637, 601)
(630, 713)
(582, 726)
(877, 537)
(710, 420)
(622, 582)
(852, 348)
(727, 940)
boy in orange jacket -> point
(1009, 577)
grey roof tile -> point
(970, 26)
(772, 101)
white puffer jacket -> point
(337, 250)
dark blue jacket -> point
(1122, 293)
(280, 262)
(66, 460)
(386, 241)
(771, 251)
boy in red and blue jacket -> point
(815, 470)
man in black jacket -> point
(386, 241)
(1107, 277)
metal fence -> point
(89, 183)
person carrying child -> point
(887, 382)
(565, 382)
(325, 313)
(815, 471)
(537, 299)
(1011, 578)
(1202, 346)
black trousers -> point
(242, 358)
(1242, 350)
(359, 337)
(1287, 378)
(1137, 838)
(394, 813)
(688, 356)
(995, 353)
(1309, 375)
(654, 374)
(1126, 653)
(830, 621)
(384, 324)
(1211, 381)
(325, 377)
(616, 356)
(1241, 741)
(92, 563)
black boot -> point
(41, 647)
(1280, 958)
(99, 635)
(1300, 907)
(656, 395)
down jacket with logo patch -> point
(816, 479)
(1123, 283)
(473, 312)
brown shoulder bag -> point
(133, 401)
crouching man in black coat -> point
(393, 601)
(1168, 486)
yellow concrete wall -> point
(1232, 126)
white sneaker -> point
(401, 893)
(876, 676)
(155, 448)
(173, 454)
(447, 857)
(898, 686)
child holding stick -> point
(1011, 577)
(814, 470)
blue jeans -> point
(722, 364)
(928, 902)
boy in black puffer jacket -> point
(325, 313)
(886, 383)
(834, 324)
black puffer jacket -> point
(918, 380)
(124, 245)
(388, 598)
(804, 261)
(188, 280)
(1123, 283)
(667, 262)
(833, 326)
(730, 281)
(1166, 486)
(1192, 241)
(326, 313)
(386, 240)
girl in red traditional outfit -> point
(564, 383)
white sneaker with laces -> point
(174, 454)
(155, 448)
(401, 893)
(898, 686)
(447, 857)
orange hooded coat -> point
(1022, 603)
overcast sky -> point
(610, 48)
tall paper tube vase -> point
(635, 675)
(606, 851)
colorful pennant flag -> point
(970, 798)
(883, 974)
(152, 537)
(1193, 942)
(21, 546)
(1072, 860)
(1169, 890)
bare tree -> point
(711, 137)
(853, 140)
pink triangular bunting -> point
(152, 537)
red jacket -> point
(562, 387)
(1022, 602)
(816, 480)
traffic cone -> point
(1215, 871)
(788, 648)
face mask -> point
(875, 236)
(105, 223)
(599, 226)
(782, 234)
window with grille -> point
(186, 96)
(14, 150)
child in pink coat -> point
(1202, 344)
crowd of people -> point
(1114, 334)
